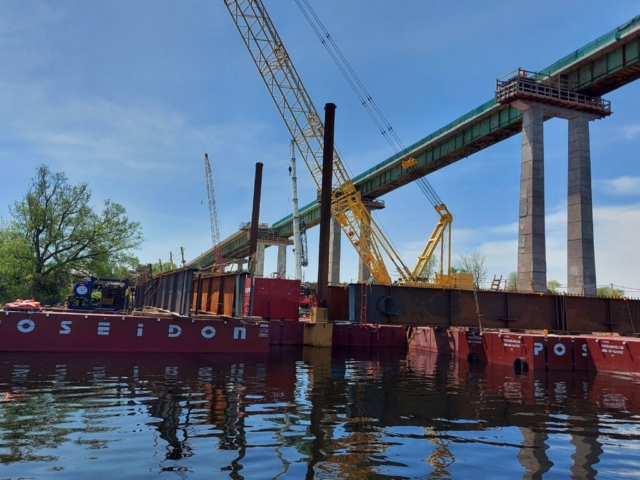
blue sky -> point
(127, 96)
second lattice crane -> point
(216, 236)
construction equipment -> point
(299, 229)
(104, 294)
(216, 237)
(304, 255)
(306, 128)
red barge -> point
(185, 311)
(72, 331)
(98, 318)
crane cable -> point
(364, 96)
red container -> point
(276, 298)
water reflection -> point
(311, 413)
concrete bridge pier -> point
(532, 264)
(532, 257)
(335, 238)
(259, 261)
(581, 262)
(539, 96)
(282, 261)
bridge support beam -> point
(259, 262)
(581, 262)
(363, 271)
(532, 257)
(335, 238)
(282, 261)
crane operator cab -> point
(104, 294)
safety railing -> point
(523, 84)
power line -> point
(365, 98)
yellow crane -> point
(305, 125)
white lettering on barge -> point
(103, 328)
(510, 342)
(26, 325)
(208, 332)
(611, 348)
(559, 349)
(239, 332)
(174, 331)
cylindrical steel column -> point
(255, 215)
(325, 204)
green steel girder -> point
(599, 67)
(603, 65)
(309, 214)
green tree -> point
(474, 263)
(13, 272)
(553, 286)
(512, 282)
(55, 235)
(609, 292)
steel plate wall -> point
(169, 291)
(396, 305)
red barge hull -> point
(99, 332)
(532, 350)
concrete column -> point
(581, 261)
(532, 262)
(334, 252)
(282, 261)
(363, 272)
(259, 268)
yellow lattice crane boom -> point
(443, 228)
(306, 127)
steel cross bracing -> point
(307, 129)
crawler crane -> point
(306, 128)
(216, 237)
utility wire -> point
(364, 96)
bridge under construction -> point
(570, 88)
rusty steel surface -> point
(325, 204)
(286, 332)
(338, 304)
(276, 298)
(396, 305)
(532, 351)
(356, 335)
(214, 294)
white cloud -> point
(509, 229)
(631, 132)
(621, 186)
(616, 230)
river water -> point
(309, 413)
